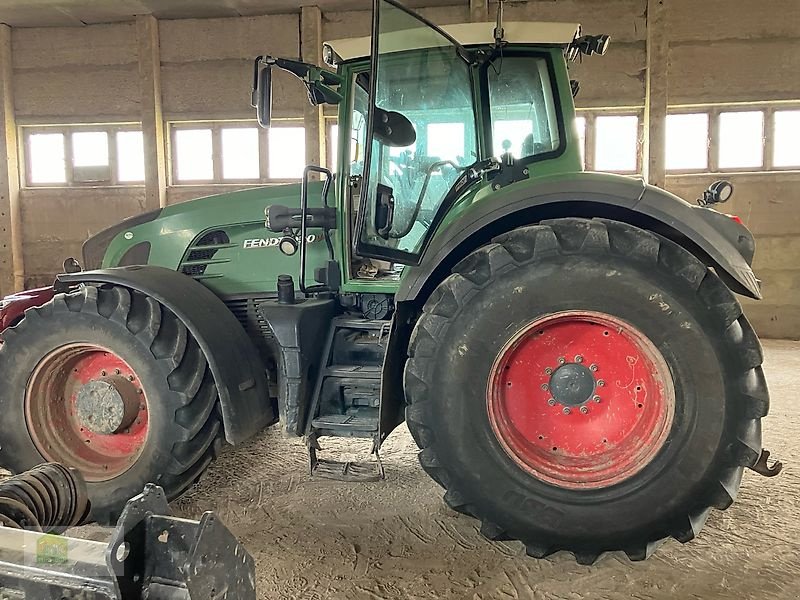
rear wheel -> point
(585, 386)
(111, 383)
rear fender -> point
(232, 357)
(715, 238)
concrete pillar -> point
(656, 94)
(478, 11)
(311, 52)
(12, 268)
(155, 165)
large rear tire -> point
(585, 385)
(109, 382)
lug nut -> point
(578, 359)
(116, 371)
(596, 398)
(561, 360)
(545, 387)
(131, 378)
(584, 410)
(552, 402)
(593, 367)
(102, 373)
(566, 410)
(548, 371)
(600, 383)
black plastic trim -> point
(136, 255)
(232, 357)
(300, 331)
(94, 249)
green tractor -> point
(566, 347)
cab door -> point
(423, 132)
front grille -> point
(203, 251)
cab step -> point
(360, 423)
(347, 396)
(344, 470)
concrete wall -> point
(207, 65)
(63, 75)
(723, 51)
(719, 51)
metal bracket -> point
(151, 555)
(763, 468)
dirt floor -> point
(317, 539)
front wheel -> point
(585, 385)
(109, 382)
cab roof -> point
(467, 34)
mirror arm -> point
(310, 74)
(318, 81)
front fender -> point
(232, 357)
(715, 238)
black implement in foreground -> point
(150, 555)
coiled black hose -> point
(47, 498)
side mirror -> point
(384, 210)
(262, 93)
(393, 129)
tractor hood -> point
(220, 240)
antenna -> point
(499, 32)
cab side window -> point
(358, 126)
(524, 111)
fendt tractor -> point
(566, 347)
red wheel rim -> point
(85, 408)
(581, 400)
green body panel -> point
(252, 262)
(241, 267)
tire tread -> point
(568, 236)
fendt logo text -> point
(273, 242)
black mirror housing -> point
(393, 129)
(262, 92)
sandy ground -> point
(318, 539)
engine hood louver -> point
(203, 252)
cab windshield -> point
(427, 84)
(432, 88)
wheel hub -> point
(572, 384)
(106, 406)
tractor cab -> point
(436, 117)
